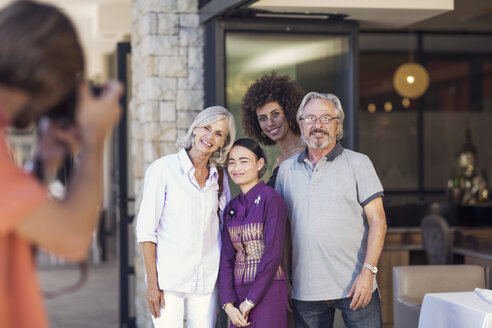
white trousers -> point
(201, 310)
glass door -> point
(321, 55)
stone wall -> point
(167, 92)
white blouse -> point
(181, 219)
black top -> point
(273, 178)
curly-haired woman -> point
(269, 111)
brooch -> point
(230, 213)
(257, 200)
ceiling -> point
(435, 15)
(370, 14)
(470, 16)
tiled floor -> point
(94, 305)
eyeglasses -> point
(311, 119)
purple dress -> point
(250, 263)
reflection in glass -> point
(449, 105)
(387, 122)
(449, 88)
(460, 91)
(487, 86)
(390, 141)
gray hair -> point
(203, 118)
(326, 96)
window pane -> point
(449, 88)
(449, 108)
(387, 122)
(390, 140)
(487, 86)
(444, 137)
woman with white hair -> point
(178, 225)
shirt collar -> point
(187, 165)
(337, 150)
(302, 155)
(252, 194)
(185, 160)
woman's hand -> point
(235, 315)
(245, 308)
(155, 300)
(97, 115)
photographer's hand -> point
(65, 227)
(96, 116)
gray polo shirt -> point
(329, 228)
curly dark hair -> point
(267, 89)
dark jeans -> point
(222, 319)
(320, 314)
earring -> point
(220, 151)
(192, 139)
(263, 134)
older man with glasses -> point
(338, 224)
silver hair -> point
(203, 118)
(326, 96)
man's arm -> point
(376, 219)
(65, 228)
(362, 287)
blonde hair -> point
(208, 116)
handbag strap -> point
(220, 171)
(220, 181)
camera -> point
(64, 114)
(64, 111)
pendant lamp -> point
(411, 80)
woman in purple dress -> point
(251, 278)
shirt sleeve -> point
(274, 235)
(153, 199)
(226, 269)
(20, 194)
(368, 185)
